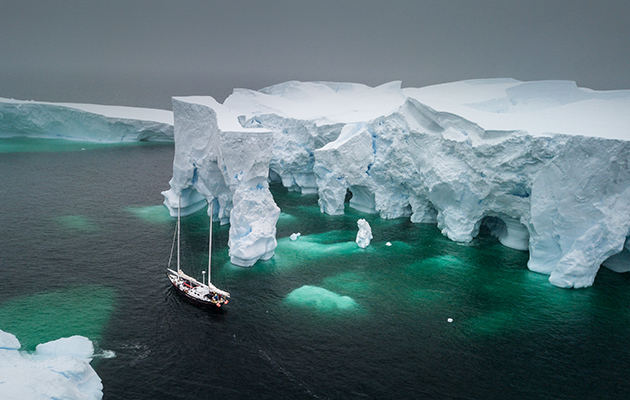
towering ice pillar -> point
(245, 164)
(196, 173)
(218, 160)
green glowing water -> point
(320, 299)
(85, 243)
(77, 223)
(50, 315)
(154, 214)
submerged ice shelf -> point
(544, 164)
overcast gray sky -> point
(142, 52)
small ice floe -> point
(388, 244)
(449, 320)
(365, 233)
(295, 236)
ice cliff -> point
(84, 121)
(217, 160)
(57, 370)
(545, 165)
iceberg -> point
(90, 122)
(218, 161)
(364, 236)
(57, 370)
(543, 164)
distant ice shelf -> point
(89, 122)
(546, 165)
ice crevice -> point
(547, 164)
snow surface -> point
(538, 108)
(56, 370)
(90, 122)
(544, 164)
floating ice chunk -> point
(388, 244)
(57, 370)
(295, 236)
(365, 233)
(449, 320)
(320, 299)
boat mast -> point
(179, 218)
(210, 241)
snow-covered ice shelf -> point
(89, 122)
(545, 164)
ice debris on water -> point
(295, 236)
(365, 233)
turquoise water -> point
(85, 243)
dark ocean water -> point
(84, 243)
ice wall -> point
(544, 164)
(216, 160)
(84, 121)
(305, 116)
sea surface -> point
(84, 246)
